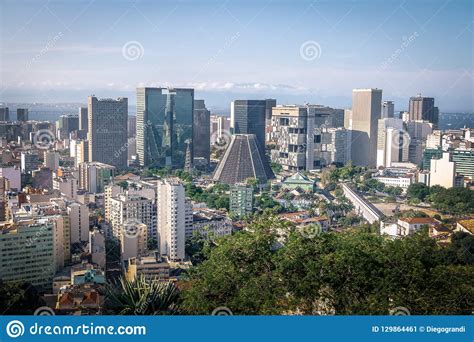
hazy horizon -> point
(296, 52)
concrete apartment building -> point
(173, 215)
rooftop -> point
(418, 220)
(467, 224)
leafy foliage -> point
(19, 298)
(455, 201)
(142, 297)
(274, 269)
(216, 197)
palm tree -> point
(142, 297)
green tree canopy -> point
(275, 268)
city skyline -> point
(293, 52)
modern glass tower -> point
(248, 117)
(202, 131)
(164, 126)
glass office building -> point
(164, 126)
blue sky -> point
(58, 51)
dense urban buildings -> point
(107, 132)
(94, 176)
(66, 124)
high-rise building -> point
(164, 126)
(293, 135)
(434, 140)
(132, 209)
(132, 126)
(443, 172)
(241, 199)
(107, 132)
(248, 117)
(67, 186)
(388, 109)
(201, 131)
(83, 117)
(68, 123)
(173, 214)
(134, 243)
(29, 161)
(338, 146)
(82, 152)
(423, 108)
(79, 220)
(13, 174)
(326, 116)
(464, 159)
(392, 142)
(51, 160)
(242, 159)
(97, 247)
(220, 125)
(22, 114)
(94, 176)
(42, 178)
(269, 104)
(28, 252)
(418, 132)
(428, 154)
(366, 108)
(4, 114)
(110, 191)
